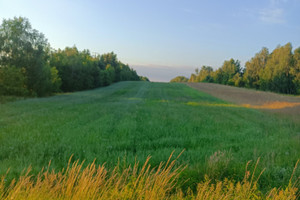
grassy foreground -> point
(133, 120)
(95, 182)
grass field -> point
(128, 121)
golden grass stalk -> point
(96, 182)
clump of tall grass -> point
(136, 182)
(246, 189)
(218, 163)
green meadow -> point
(129, 121)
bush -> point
(13, 81)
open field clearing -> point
(277, 103)
(128, 121)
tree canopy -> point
(180, 79)
(255, 67)
(28, 66)
(26, 50)
(278, 71)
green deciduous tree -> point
(143, 78)
(218, 76)
(205, 74)
(179, 79)
(13, 81)
(111, 73)
(295, 71)
(77, 70)
(21, 46)
(27, 66)
(55, 79)
(277, 74)
(229, 69)
(278, 71)
(237, 80)
(255, 67)
(192, 78)
(116, 70)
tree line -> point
(30, 67)
(278, 71)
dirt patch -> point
(273, 102)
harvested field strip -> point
(278, 103)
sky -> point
(162, 39)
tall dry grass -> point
(96, 182)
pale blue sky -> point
(164, 38)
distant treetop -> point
(179, 79)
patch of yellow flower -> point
(274, 105)
(269, 105)
(212, 104)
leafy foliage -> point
(295, 71)
(254, 68)
(277, 74)
(204, 75)
(21, 46)
(28, 67)
(143, 78)
(13, 81)
(278, 71)
(180, 79)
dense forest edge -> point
(30, 67)
(278, 71)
